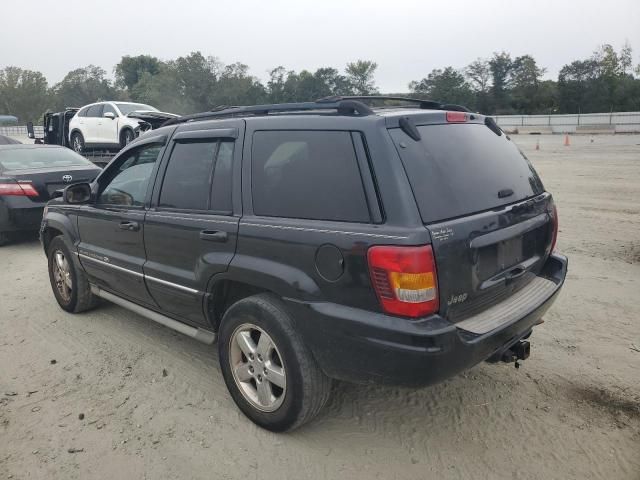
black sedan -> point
(29, 175)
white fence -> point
(20, 131)
(615, 122)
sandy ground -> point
(154, 405)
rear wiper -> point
(507, 192)
(493, 126)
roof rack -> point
(423, 104)
(342, 106)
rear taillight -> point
(17, 189)
(554, 226)
(457, 117)
(404, 279)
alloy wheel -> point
(257, 367)
(62, 275)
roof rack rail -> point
(424, 104)
(343, 107)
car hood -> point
(151, 115)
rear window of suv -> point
(307, 174)
(460, 169)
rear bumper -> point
(359, 346)
(20, 214)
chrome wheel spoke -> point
(265, 345)
(242, 372)
(265, 393)
(246, 343)
(274, 374)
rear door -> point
(485, 208)
(191, 232)
(111, 245)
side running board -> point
(200, 334)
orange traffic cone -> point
(538, 144)
(566, 140)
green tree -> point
(84, 85)
(198, 75)
(448, 86)
(163, 90)
(236, 87)
(360, 75)
(478, 74)
(24, 94)
(500, 65)
(130, 69)
(525, 81)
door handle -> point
(214, 236)
(130, 226)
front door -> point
(108, 127)
(111, 245)
(91, 120)
(191, 231)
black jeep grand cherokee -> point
(320, 240)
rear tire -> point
(297, 389)
(68, 281)
(77, 142)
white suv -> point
(111, 125)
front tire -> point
(68, 281)
(126, 137)
(77, 142)
(269, 371)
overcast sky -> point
(406, 38)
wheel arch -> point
(55, 225)
(240, 282)
(75, 130)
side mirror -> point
(30, 132)
(77, 194)
(110, 115)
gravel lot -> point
(108, 394)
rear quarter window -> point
(461, 169)
(308, 175)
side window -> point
(108, 108)
(83, 112)
(223, 179)
(193, 168)
(128, 184)
(95, 111)
(307, 174)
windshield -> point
(32, 158)
(460, 169)
(127, 108)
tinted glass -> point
(95, 111)
(83, 112)
(307, 174)
(222, 179)
(128, 185)
(187, 180)
(126, 108)
(32, 158)
(108, 108)
(459, 169)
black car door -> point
(191, 229)
(111, 230)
